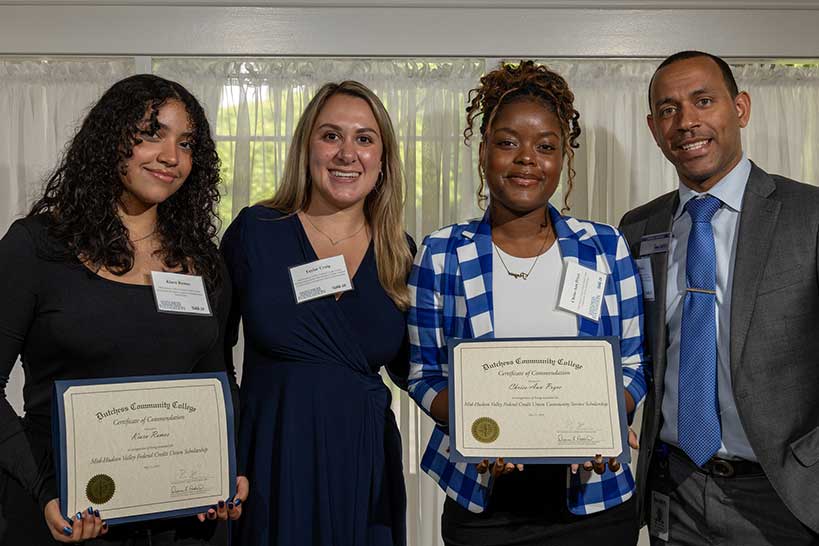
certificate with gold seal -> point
(141, 448)
(536, 400)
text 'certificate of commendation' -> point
(549, 400)
(144, 447)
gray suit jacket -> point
(774, 333)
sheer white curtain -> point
(257, 104)
(41, 103)
(618, 164)
(254, 104)
(781, 136)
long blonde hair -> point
(383, 207)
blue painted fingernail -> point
(230, 506)
(67, 531)
(237, 502)
(97, 513)
(221, 504)
(90, 511)
(79, 515)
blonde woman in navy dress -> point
(318, 438)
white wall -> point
(405, 28)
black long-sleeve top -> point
(66, 322)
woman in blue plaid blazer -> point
(528, 127)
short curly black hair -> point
(81, 196)
(510, 82)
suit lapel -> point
(475, 264)
(756, 228)
(574, 241)
(655, 319)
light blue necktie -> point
(698, 423)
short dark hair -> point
(727, 75)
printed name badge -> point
(582, 291)
(181, 294)
(658, 523)
(652, 244)
(320, 278)
(646, 277)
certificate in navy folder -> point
(138, 448)
(537, 400)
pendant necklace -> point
(142, 238)
(334, 242)
(523, 275)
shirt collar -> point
(566, 227)
(729, 190)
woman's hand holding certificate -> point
(228, 509)
(147, 447)
(82, 526)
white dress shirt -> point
(729, 190)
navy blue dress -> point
(318, 440)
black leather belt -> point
(722, 468)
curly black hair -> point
(510, 82)
(82, 195)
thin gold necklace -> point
(142, 238)
(523, 275)
(336, 241)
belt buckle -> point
(722, 468)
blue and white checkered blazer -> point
(451, 297)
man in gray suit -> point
(731, 279)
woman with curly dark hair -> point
(135, 193)
(500, 277)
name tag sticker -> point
(652, 244)
(658, 523)
(320, 278)
(180, 294)
(582, 290)
(646, 277)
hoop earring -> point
(482, 198)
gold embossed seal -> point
(100, 489)
(485, 429)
